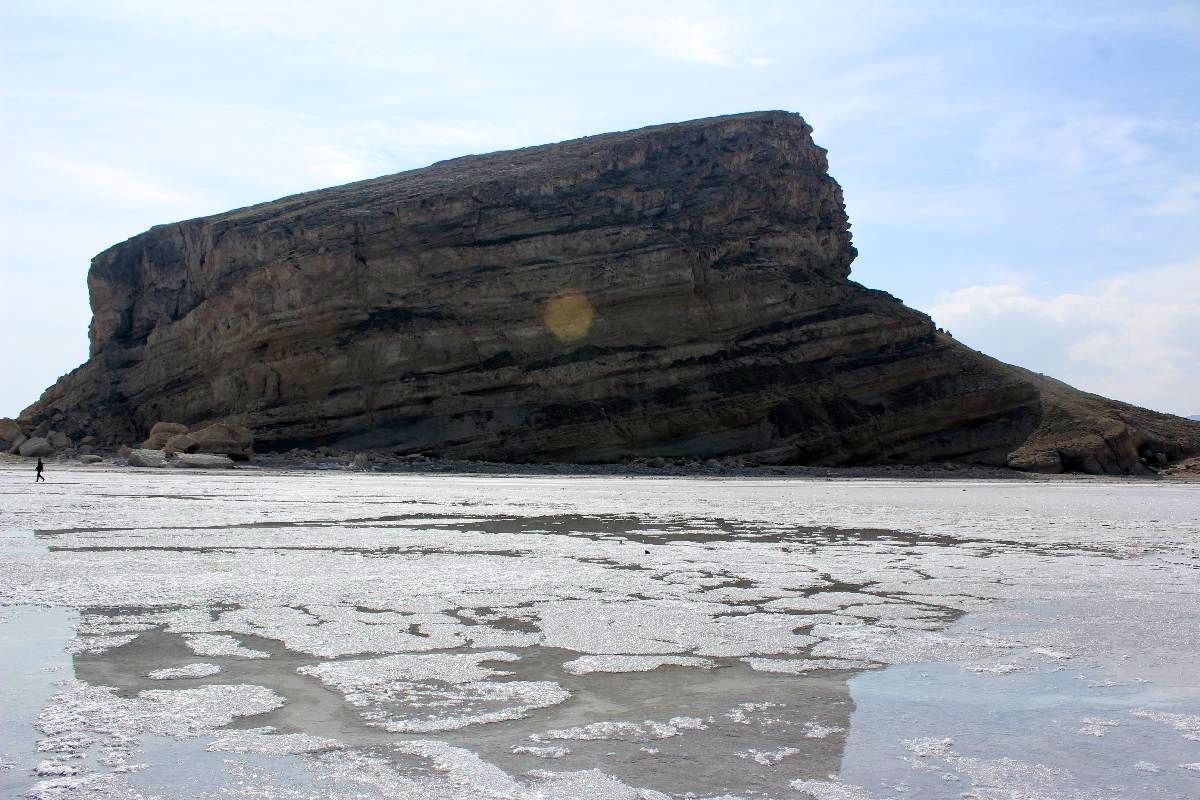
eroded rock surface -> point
(161, 433)
(36, 447)
(679, 290)
(147, 458)
(203, 461)
(10, 432)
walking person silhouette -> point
(40, 476)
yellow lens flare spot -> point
(569, 315)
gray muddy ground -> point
(348, 635)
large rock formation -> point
(676, 290)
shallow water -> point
(353, 635)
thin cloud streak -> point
(1132, 337)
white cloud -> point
(114, 182)
(703, 41)
(1180, 198)
(683, 32)
(386, 35)
(1069, 144)
(1180, 19)
(1135, 337)
(963, 206)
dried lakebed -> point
(350, 635)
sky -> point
(1028, 174)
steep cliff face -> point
(675, 290)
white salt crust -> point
(769, 758)
(187, 671)
(210, 644)
(181, 713)
(831, 790)
(815, 730)
(266, 741)
(1096, 726)
(459, 591)
(625, 731)
(1188, 725)
(456, 690)
(98, 644)
(539, 752)
(587, 664)
(797, 666)
(83, 719)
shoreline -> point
(1184, 472)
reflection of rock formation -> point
(309, 708)
(688, 729)
(674, 729)
(677, 290)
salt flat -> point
(356, 635)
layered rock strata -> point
(680, 290)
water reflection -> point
(751, 722)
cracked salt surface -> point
(1187, 724)
(628, 731)
(769, 758)
(489, 614)
(540, 752)
(267, 741)
(188, 671)
(1096, 726)
(586, 664)
(181, 713)
(210, 644)
(815, 730)
(798, 665)
(87, 722)
(454, 687)
(98, 644)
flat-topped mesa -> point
(680, 290)
(753, 187)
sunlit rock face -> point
(680, 290)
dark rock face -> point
(1081, 432)
(676, 290)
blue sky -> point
(1028, 174)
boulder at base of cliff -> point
(181, 443)
(36, 447)
(90, 458)
(234, 441)
(147, 458)
(161, 432)
(58, 440)
(10, 431)
(15, 448)
(203, 461)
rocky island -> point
(679, 291)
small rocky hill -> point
(680, 290)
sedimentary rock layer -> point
(680, 290)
